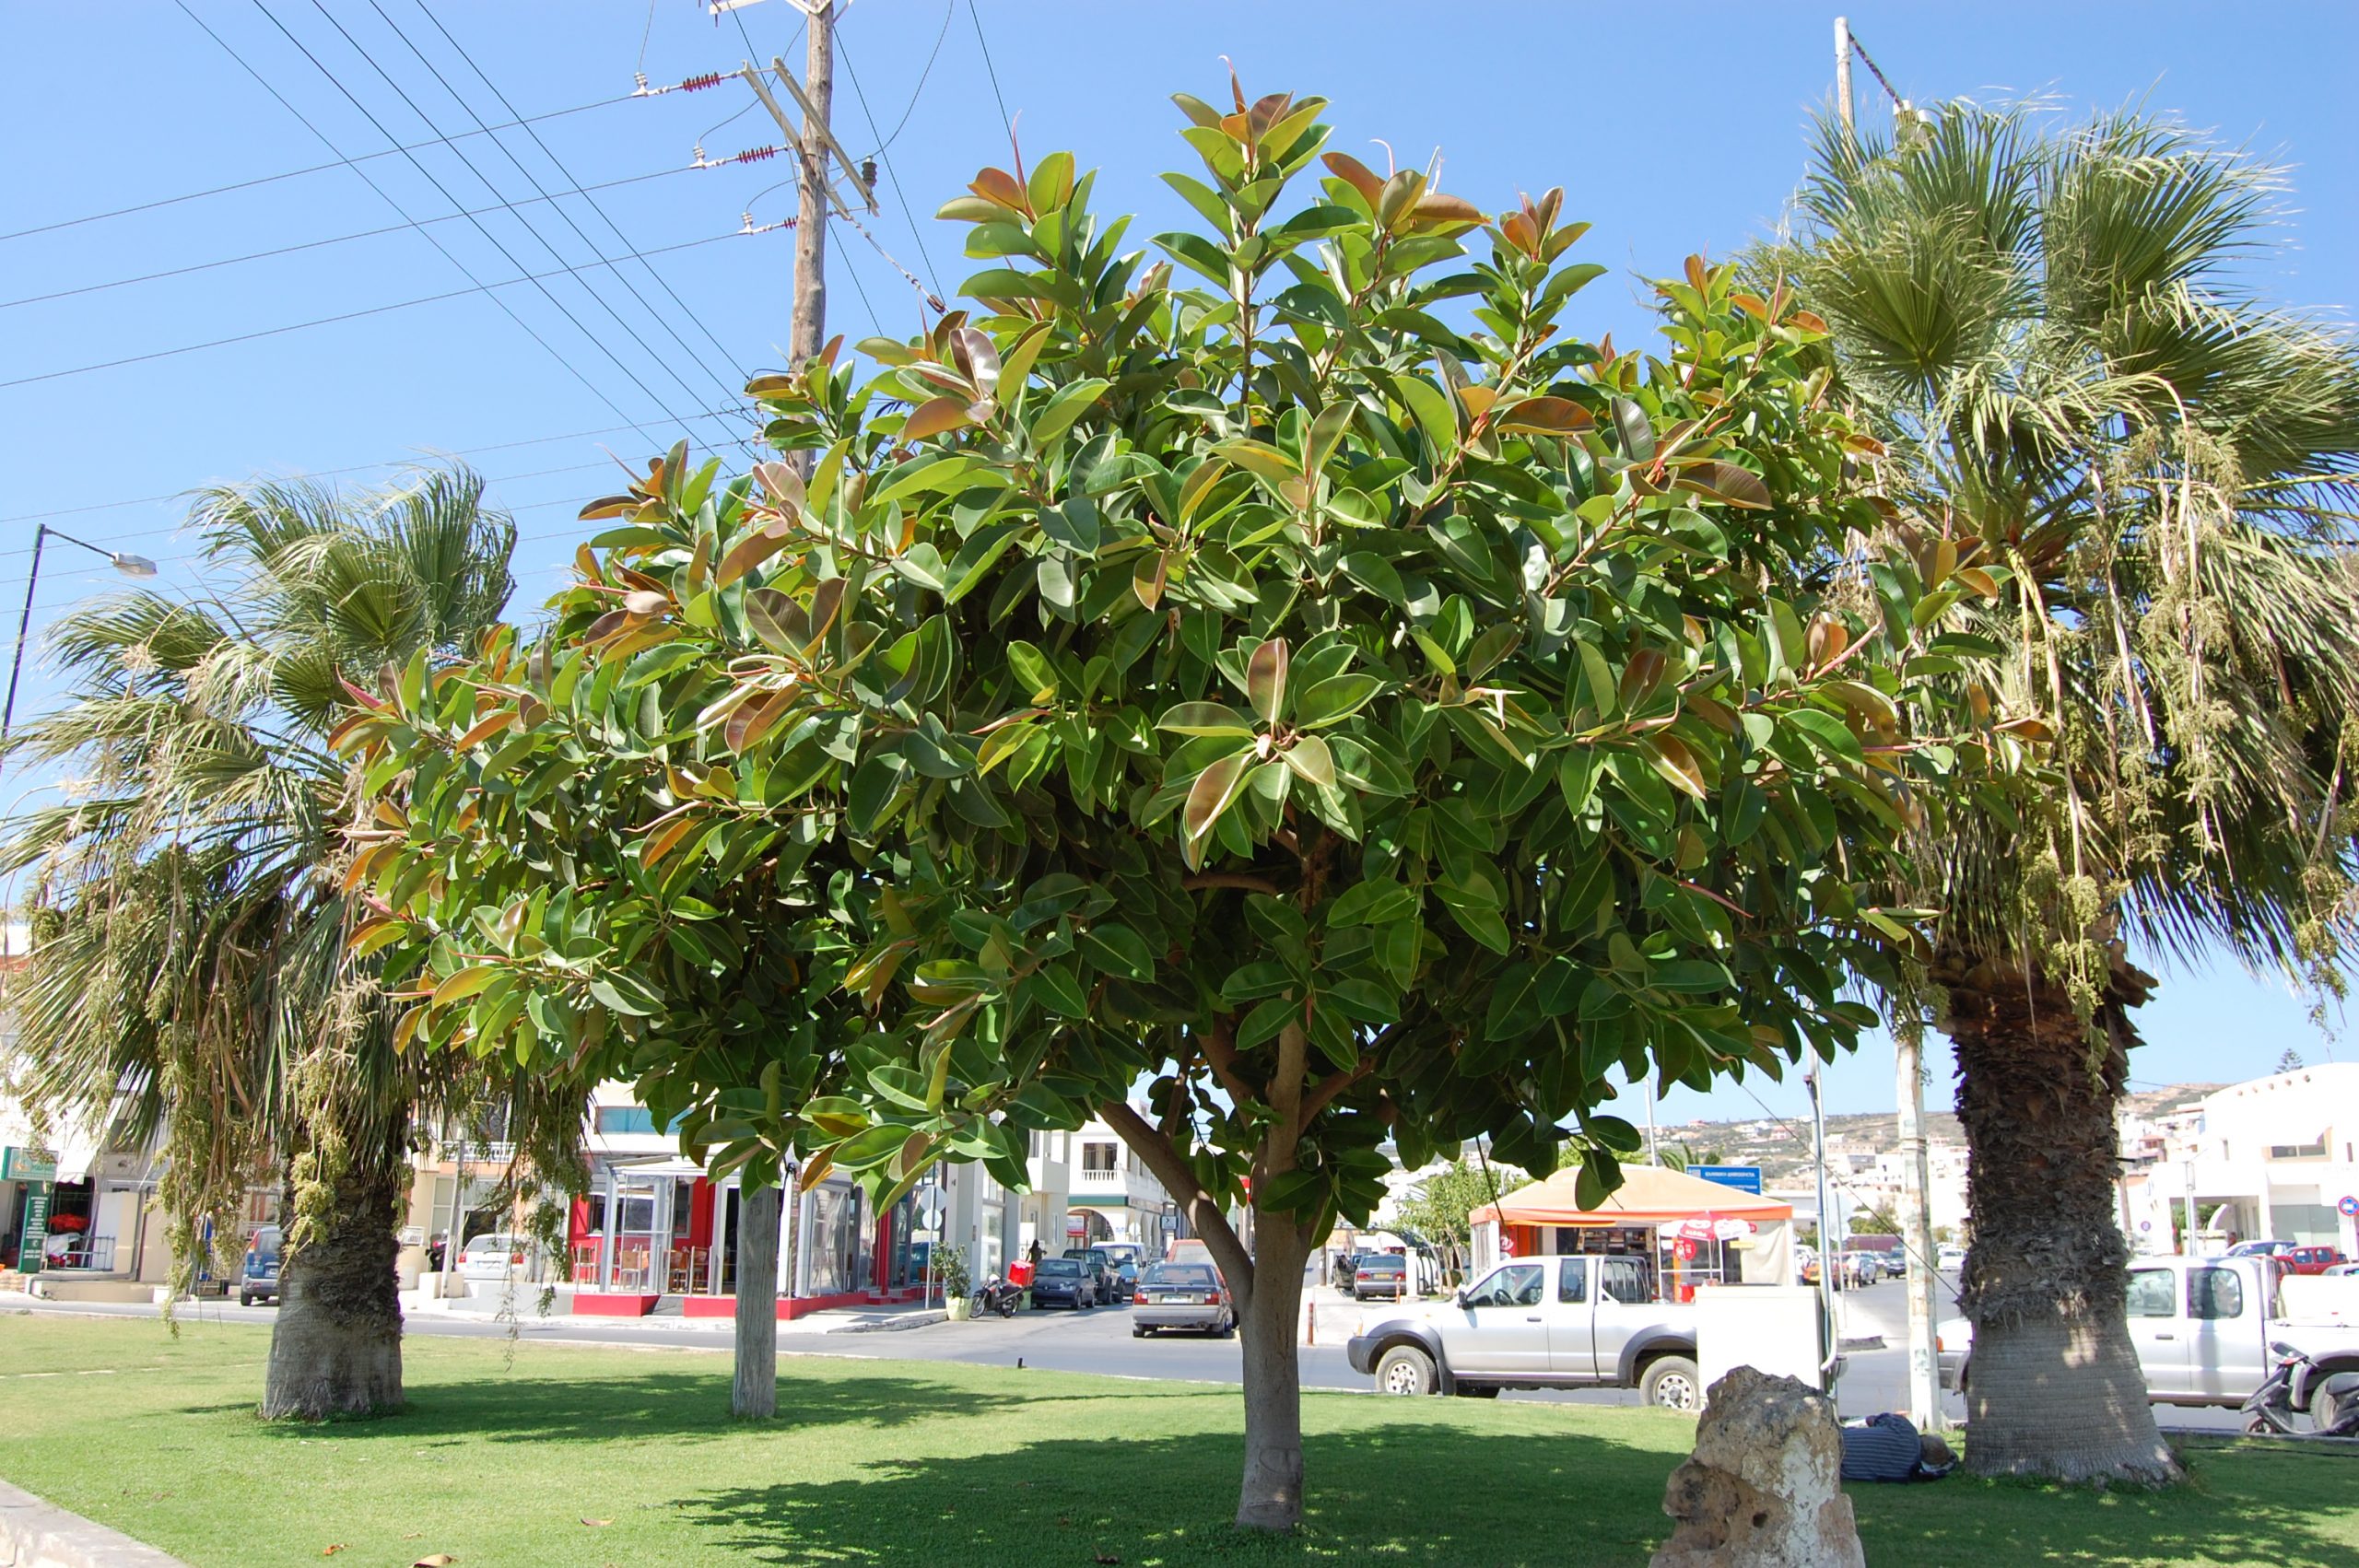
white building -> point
(1112, 1195)
(2270, 1160)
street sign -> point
(2349, 1206)
(1075, 1226)
(28, 1256)
(1744, 1178)
(27, 1164)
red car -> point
(2309, 1259)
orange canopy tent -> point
(1650, 1195)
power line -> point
(595, 391)
(949, 10)
(403, 93)
(483, 289)
(583, 190)
(316, 244)
(900, 196)
(991, 69)
(424, 455)
(292, 173)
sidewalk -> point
(525, 1306)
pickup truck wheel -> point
(1404, 1369)
(1672, 1383)
(245, 1298)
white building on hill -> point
(2272, 1159)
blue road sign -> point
(1744, 1178)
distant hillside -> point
(1782, 1148)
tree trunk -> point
(2054, 1388)
(337, 1346)
(1269, 1308)
(754, 1395)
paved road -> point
(1099, 1340)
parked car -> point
(1064, 1281)
(1861, 1268)
(1123, 1252)
(1380, 1276)
(1949, 1257)
(1181, 1295)
(1581, 1322)
(2343, 1271)
(258, 1275)
(2202, 1327)
(2259, 1248)
(1126, 1279)
(1098, 1264)
(2310, 1259)
(496, 1254)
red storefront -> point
(659, 1227)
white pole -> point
(1832, 1337)
(1843, 72)
(1917, 1228)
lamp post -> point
(129, 565)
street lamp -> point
(129, 565)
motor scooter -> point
(2296, 1382)
(998, 1296)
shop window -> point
(833, 1242)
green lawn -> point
(503, 1460)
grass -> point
(505, 1460)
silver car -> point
(1181, 1295)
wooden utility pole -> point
(1843, 74)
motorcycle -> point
(2331, 1399)
(998, 1296)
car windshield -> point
(1181, 1276)
(1066, 1267)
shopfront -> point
(1691, 1233)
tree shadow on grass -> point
(673, 1406)
(1421, 1490)
(638, 1406)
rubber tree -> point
(605, 905)
(2055, 332)
(1359, 729)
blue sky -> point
(1672, 128)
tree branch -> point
(1244, 880)
(1221, 1056)
(1204, 1217)
(1323, 1093)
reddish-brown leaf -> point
(935, 418)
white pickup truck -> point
(1581, 1322)
(2202, 1327)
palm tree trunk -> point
(2054, 1388)
(337, 1348)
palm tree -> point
(2138, 476)
(190, 977)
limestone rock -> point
(1763, 1486)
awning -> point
(1650, 1195)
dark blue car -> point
(1060, 1282)
(258, 1277)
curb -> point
(34, 1534)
